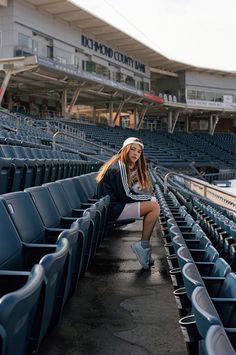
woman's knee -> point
(150, 207)
(156, 208)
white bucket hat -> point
(132, 140)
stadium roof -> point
(75, 16)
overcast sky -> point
(198, 32)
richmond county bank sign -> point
(112, 54)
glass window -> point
(142, 85)
(25, 41)
(120, 77)
(191, 95)
(90, 67)
(62, 56)
(210, 96)
(130, 80)
(200, 95)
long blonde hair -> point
(140, 166)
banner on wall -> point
(203, 125)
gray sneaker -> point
(143, 255)
(151, 260)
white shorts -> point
(132, 210)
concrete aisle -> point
(119, 308)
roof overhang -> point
(75, 16)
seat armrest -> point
(12, 280)
(67, 221)
(33, 253)
(78, 212)
(52, 234)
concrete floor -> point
(118, 308)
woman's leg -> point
(150, 211)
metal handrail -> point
(54, 143)
(202, 188)
(80, 139)
(81, 153)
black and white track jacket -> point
(115, 184)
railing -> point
(54, 143)
(202, 188)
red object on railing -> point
(158, 99)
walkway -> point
(119, 308)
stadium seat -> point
(217, 342)
(86, 186)
(51, 218)
(35, 241)
(204, 311)
(21, 256)
(7, 175)
(20, 306)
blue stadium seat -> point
(86, 186)
(224, 300)
(217, 342)
(53, 220)
(20, 298)
(217, 286)
(19, 255)
(27, 166)
(7, 175)
(204, 311)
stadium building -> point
(56, 55)
(72, 89)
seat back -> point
(86, 185)
(10, 243)
(217, 342)
(58, 275)
(220, 268)
(191, 278)
(45, 206)
(204, 311)
(72, 196)
(6, 175)
(183, 256)
(59, 197)
(25, 217)
(18, 314)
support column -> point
(142, 117)
(176, 116)
(74, 99)
(135, 117)
(214, 119)
(4, 85)
(94, 114)
(9, 101)
(64, 103)
(118, 111)
(110, 120)
(187, 123)
(211, 123)
(169, 121)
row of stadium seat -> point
(44, 252)
(22, 167)
(204, 284)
